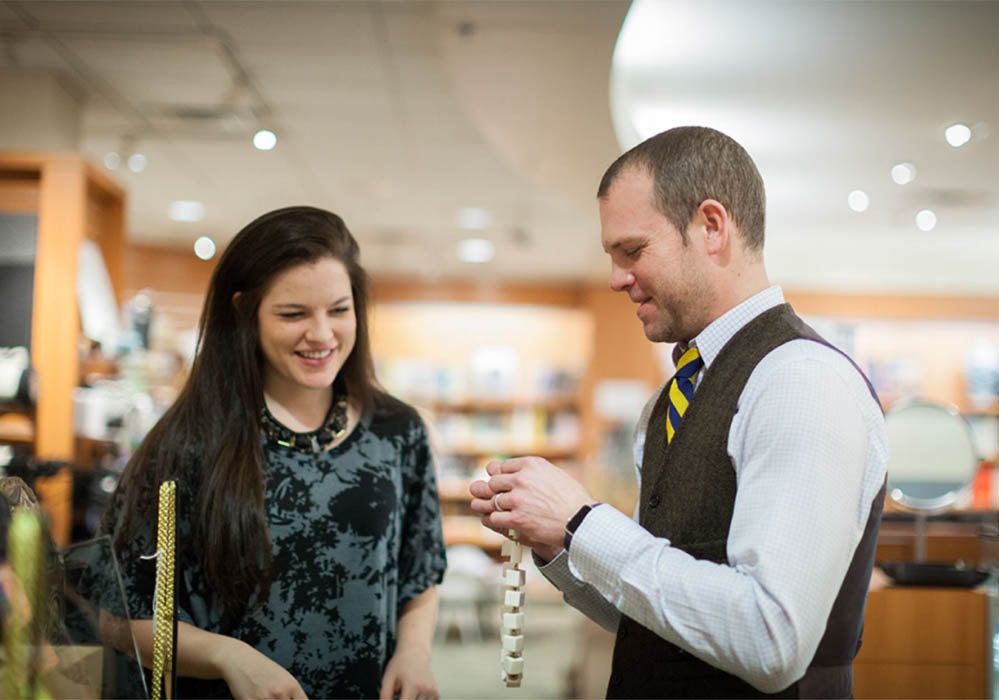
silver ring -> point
(496, 503)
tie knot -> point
(689, 364)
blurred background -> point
(462, 142)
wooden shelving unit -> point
(73, 201)
(17, 425)
(492, 381)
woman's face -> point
(307, 327)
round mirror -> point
(932, 456)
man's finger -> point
(480, 489)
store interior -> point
(462, 142)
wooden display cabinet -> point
(922, 642)
(72, 201)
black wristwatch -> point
(574, 523)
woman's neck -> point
(301, 411)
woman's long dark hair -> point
(209, 438)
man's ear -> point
(718, 225)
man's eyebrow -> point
(624, 242)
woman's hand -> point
(408, 675)
(250, 674)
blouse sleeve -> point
(138, 573)
(138, 567)
(422, 558)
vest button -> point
(622, 633)
(616, 679)
(654, 501)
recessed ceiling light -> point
(473, 218)
(903, 173)
(957, 135)
(137, 162)
(186, 210)
(204, 248)
(265, 140)
(858, 200)
(926, 220)
(112, 161)
(476, 250)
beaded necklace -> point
(318, 440)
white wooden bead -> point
(513, 665)
(513, 642)
(510, 681)
(513, 577)
(513, 621)
(513, 551)
(514, 599)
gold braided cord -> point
(163, 606)
(24, 623)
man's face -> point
(651, 263)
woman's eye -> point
(291, 315)
(340, 309)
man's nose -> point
(620, 279)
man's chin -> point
(654, 333)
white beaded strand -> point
(512, 650)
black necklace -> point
(318, 440)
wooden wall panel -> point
(909, 306)
(394, 290)
(165, 269)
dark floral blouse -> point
(356, 534)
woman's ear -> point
(235, 299)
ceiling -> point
(396, 115)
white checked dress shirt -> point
(809, 448)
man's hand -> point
(532, 496)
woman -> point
(308, 529)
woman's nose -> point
(319, 330)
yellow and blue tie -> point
(681, 389)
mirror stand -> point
(919, 537)
(932, 463)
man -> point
(761, 463)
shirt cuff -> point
(557, 571)
(603, 547)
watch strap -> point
(574, 522)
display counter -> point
(922, 642)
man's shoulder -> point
(809, 361)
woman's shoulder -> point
(392, 414)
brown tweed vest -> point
(688, 493)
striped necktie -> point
(681, 389)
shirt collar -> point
(712, 339)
